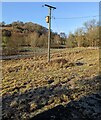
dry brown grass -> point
(44, 85)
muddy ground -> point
(67, 88)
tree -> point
(90, 24)
(34, 39)
(63, 38)
(92, 29)
(6, 33)
(29, 26)
(10, 45)
(2, 24)
(93, 36)
(42, 41)
(14, 24)
(71, 41)
(79, 36)
(56, 40)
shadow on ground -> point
(87, 108)
(21, 106)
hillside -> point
(32, 86)
(19, 36)
(21, 27)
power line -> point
(78, 17)
(57, 26)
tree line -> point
(86, 36)
(18, 34)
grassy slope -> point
(40, 85)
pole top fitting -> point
(50, 6)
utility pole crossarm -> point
(50, 6)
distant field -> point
(31, 85)
(25, 52)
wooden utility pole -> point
(48, 20)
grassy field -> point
(31, 85)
